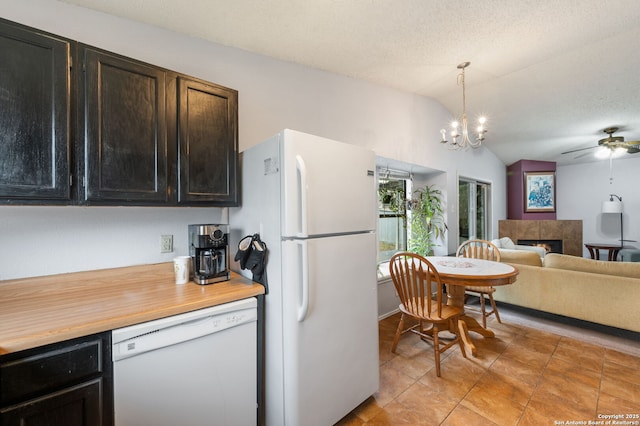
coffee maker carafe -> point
(209, 251)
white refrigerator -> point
(313, 202)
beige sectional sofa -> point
(598, 291)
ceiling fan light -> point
(617, 152)
(602, 152)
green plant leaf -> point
(427, 220)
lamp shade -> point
(612, 207)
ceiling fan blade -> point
(580, 149)
(584, 154)
(633, 150)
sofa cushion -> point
(540, 251)
(521, 257)
(574, 263)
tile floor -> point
(524, 376)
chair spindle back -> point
(418, 284)
(479, 249)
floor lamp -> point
(613, 206)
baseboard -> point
(388, 314)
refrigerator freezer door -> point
(328, 186)
(330, 327)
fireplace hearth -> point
(550, 246)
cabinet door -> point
(64, 383)
(208, 143)
(79, 405)
(125, 145)
(34, 116)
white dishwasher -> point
(192, 369)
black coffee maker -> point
(209, 251)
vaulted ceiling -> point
(549, 74)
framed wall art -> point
(539, 192)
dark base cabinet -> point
(67, 384)
(78, 405)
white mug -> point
(181, 268)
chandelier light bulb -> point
(443, 132)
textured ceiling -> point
(549, 74)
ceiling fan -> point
(613, 143)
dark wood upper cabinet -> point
(125, 133)
(35, 103)
(207, 143)
(80, 125)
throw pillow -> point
(505, 242)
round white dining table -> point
(461, 272)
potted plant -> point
(427, 220)
(392, 196)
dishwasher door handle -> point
(155, 338)
(161, 337)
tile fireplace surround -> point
(569, 231)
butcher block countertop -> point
(42, 310)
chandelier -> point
(458, 142)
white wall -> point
(272, 95)
(582, 188)
(40, 240)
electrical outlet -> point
(166, 243)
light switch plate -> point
(166, 243)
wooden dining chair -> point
(482, 249)
(420, 290)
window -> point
(392, 215)
(474, 204)
(395, 188)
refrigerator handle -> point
(302, 195)
(304, 282)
